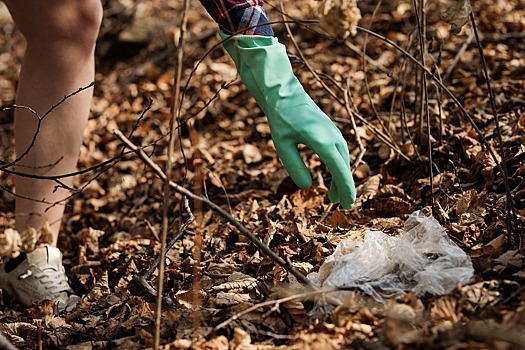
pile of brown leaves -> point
(111, 232)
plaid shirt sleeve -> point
(241, 17)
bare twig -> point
(362, 149)
(378, 133)
(62, 176)
(276, 302)
(39, 325)
(424, 92)
(109, 162)
(422, 79)
(458, 56)
(198, 184)
(440, 110)
(300, 52)
(442, 86)
(145, 285)
(143, 281)
(405, 69)
(158, 171)
(407, 130)
(514, 235)
(169, 164)
(367, 86)
(169, 245)
(326, 212)
(370, 60)
(40, 119)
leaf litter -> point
(110, 233)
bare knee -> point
(72, 22)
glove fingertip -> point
(333, 194)
(348, 201)
(347, 205)
(302, 180)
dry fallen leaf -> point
(101, 288)
(237, 281)
(511, 260)
(29, 239)
(339, 17)
(520, 126)
(219, 343)
(456, 13)
(480, 296)
(251, 154)
(241, 339)
(243, 175)
(16, 331)
(223, 299)
(445, 308)
(310, 199)
(10, 243)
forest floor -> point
(214, 274)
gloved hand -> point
(294, 118)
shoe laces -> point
(52, 280)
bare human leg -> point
(59, 59)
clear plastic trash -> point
(423, 260)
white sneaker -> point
(37, 276)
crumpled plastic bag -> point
(423, 260)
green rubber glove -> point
(294, 118)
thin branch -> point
(306, 63)
(276, 303)
(362, 149)
(39, 123)
(109, 162)
(75, 173)
(404, 127)
(378, 133)
(370, 60)
(515, 239)
(169, 165)
(458, 56)
(173, 240)
(243, 230)
(448, 92)
(367, 86)
(424, 93)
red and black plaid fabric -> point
(240, 17)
